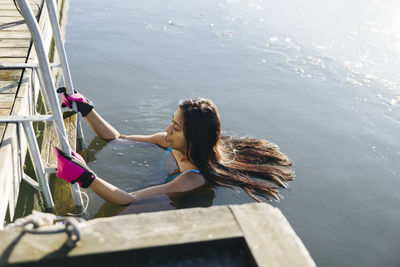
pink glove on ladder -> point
(74, 169)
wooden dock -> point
(234, 235)
(19, 93)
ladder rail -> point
(24, 176)
(38, 165)
(10, 66)
(63, 58)
(60, 46)
(51, 9)
(44, 67)
(49, 88)
(15, 119)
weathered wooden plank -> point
(13, 52)
(7, 97)
(22, 106)
(269, 236)
(7, 7)
(14, 43)
(5, 107)
(9, 172)
(164, 228)
(31, 2)
(15, 34)
(5, 181)
(14, 178)
(11, 1)
(9, 13)
(7, 100)
(14, 26)
(11, 19)
(10, 75)
(17, 101)
(127, 232)
(8, 87)
(23, 97)
(10, 4)
(10, 60)
(3, 112)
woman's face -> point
(175, 134)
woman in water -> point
(202, 155)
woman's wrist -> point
(133, 196)
(122, 136)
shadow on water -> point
(200, 197)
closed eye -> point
(177, 127)
(174, 126)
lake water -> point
(317, 78)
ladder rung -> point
(25, 65)
(14, 119)
(50, 170)
(31, 182)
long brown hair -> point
(228, 161)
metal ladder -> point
(51, 100)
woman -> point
(201, 154)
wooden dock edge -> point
(268, 235)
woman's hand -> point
(74, 169)
(83, 104)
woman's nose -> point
(168, 129)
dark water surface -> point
(318, 79)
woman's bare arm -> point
(114, 195)
(104, 130)
(110, 192)
(183, 183)
(158, 138)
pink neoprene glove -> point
(83, 104)
(74, 169)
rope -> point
(84, 210)
(33, 223)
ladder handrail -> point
(63, 59)
(44, 68)
(5, 66)
(60, 46)
(15, 119)
(48, 86)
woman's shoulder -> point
(160, 139)
(188, 180)
(194, 176)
